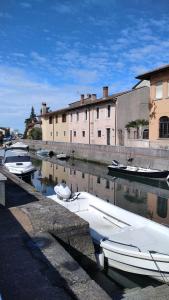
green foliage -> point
(28, 123)
(137, 123)
(35, 134)
(32, 114)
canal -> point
(146, 197)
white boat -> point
(136, 171)
(127, 241)
(62, 156)
(20, 145)
(44, 153)
(18, 162)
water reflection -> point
(149, 200)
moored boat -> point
(44, 153)
(18, 161)
(62, 156)
(127, 241)
(136, 171)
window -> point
(108, 110)
(64, 118)
(51, 133)
(77, 116)
(164, 127)
(56, 119)
(159, 90)
(50, 120)
(98, 179)
(71, 117)
(86, 114)
(74, 133)
(64, 133)
(56, 133)
(162, 207)
(107, 184)
(99, 133)
(145, 134)
(83, 133)
(97, 113)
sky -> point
(54, 50)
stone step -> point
(149, 293)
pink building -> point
(92, 120)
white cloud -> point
(64, 8)
(5, 15)
(26, 5)
(38, 58)
(18, 92)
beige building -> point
(92, 120)
(158, 105)
(87, 121)
(54, 125)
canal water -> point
(145, 197)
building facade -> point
(131, 106)
(54, 125)
(88, 121)
(158, 105)
(99, 121)
(92, 120)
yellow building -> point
(54, 125)
(158, 105)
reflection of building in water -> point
(158, 208)
(79, 181)
(54, 173)
(135, 197)
(131, 197)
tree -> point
(29, 123)
(32, 114)
(35, 133)
(136, 124)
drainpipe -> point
(89, 126)
(115, 129)
(53, 128)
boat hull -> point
(127, 241)
(21, 172)
(158, 174)
(160, 276)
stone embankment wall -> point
(33, 262)
(145, 157)
(48, 216)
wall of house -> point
(57, 131)
(131, 106)
(61, 130)
(91, 125)
(160, 107)
(77, 123)
(47, 129)
(103, 123)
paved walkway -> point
(33, 265)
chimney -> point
(89, 96)
(105, 91)
(82, 98)
(94, 97)
(44, 108)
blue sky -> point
(55, 50)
